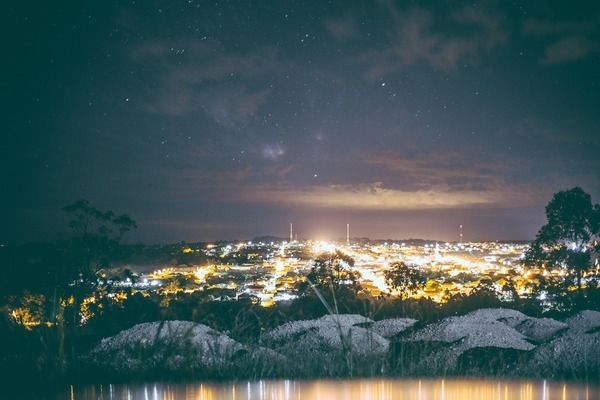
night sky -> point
(210, 120)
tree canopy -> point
(569, 239)
(96, 235)
(332, 279)
(333, 270)
(404, 279)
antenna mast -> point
(348, 234)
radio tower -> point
(291, 232)
(348, 234)
(460, 234)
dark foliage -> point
(569, 239)
(405, 279)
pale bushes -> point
(340, 332)
(540, 329)
(389, 328)
(333, 345)
(484, 342)
(481, 328)
(575, 353)
(163, 347)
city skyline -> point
(230, 120)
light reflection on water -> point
(359, 389)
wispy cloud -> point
(342, 28)
(197, 75)
(231, 106)
(567, 41)
(418, 38)
(375, 196)
(427, 169)
(570, 48)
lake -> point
(356, 389)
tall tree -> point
(96, 234)
(569, 239)
(94, 242)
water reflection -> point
(382, 389)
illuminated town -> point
(273, 270)
(270, 272)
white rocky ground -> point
(576, 351)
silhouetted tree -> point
(333, 270)
(404, 279)
(94, 242)
(332, 278)
(569, 239)
(96, 235)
